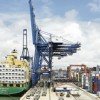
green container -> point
(90, 83)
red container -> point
(95, 84)
(95, 88)
(99, 83)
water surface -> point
(9, 98)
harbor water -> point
(9, 98)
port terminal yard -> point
(73, 93)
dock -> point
(50, 95)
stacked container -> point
(85, 81)
(98, 92)
(94, 81)
(94, 84)
(99, 83)
(90, 82)
(80, 80)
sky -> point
(74, 20)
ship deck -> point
(50, 95)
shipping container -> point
(90, 82)
(94, 86)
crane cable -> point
(60, 37)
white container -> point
(98, 93)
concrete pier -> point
(38, 93)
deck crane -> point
(45, 50)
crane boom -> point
(33, 23)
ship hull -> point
(13, 90)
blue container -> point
(94, 86)
(98, 84)
(84, 81)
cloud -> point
(11, 28)
(71, 14)
(46, 11)
(86, 32)
(68, 26)
(94, 5)
(47, 2)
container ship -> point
(14, 75)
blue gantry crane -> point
(45, 50)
